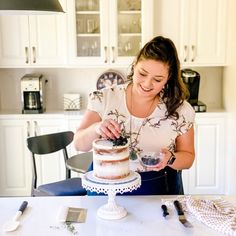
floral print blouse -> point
(145, 134)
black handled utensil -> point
(181, 215)
(165, 210)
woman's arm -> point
(86, 132)
(91, 128)
(184, 152)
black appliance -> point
(33, 94)
(192, 80)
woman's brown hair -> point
(163, 49)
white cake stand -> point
(111, 210)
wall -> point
(83, 81)
(60, 81)
(229, 95)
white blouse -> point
(146, 134)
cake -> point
(109, 160)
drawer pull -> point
(105, 49)
(26, 55)
(185, 53)
(113, 54)
(34, 54)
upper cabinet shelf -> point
(130, 12)
(87, 12)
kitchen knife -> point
(181, 215)
(165, 210)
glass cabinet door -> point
(129, 27)
(108, 32)
(88, 28)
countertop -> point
(48, 114)
(144, 217)
(79, 114)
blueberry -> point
(149, 161)
(119, 141)
(145, 160)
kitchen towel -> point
(217, 214)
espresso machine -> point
(192, 80)
(33, 93)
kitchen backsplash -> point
(82, 81)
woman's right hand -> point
(108, 129)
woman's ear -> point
(166, 87)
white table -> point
(144, 217)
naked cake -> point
(110, 161)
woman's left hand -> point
(163, 163)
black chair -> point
(49, 143)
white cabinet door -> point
(206, 176)
(15, 158)
(14, 47)
(204, 25)
(108, 32)
(15, 170)
(31, 41)
(197, 27)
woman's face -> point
(149, 77)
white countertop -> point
(8, 114)
(144, 217)
(5, 114)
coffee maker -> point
(192, 80)
(33, 93)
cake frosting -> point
(109, 161)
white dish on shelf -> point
(110, 78)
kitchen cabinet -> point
(15, 160)
(197, 27)
(206, 176)
(33, 41)
(108, 32)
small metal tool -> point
(181, 215)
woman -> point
(152, 111)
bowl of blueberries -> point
(150, 159)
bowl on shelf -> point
(150, 159)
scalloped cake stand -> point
(111, 210)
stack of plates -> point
(72, 101)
